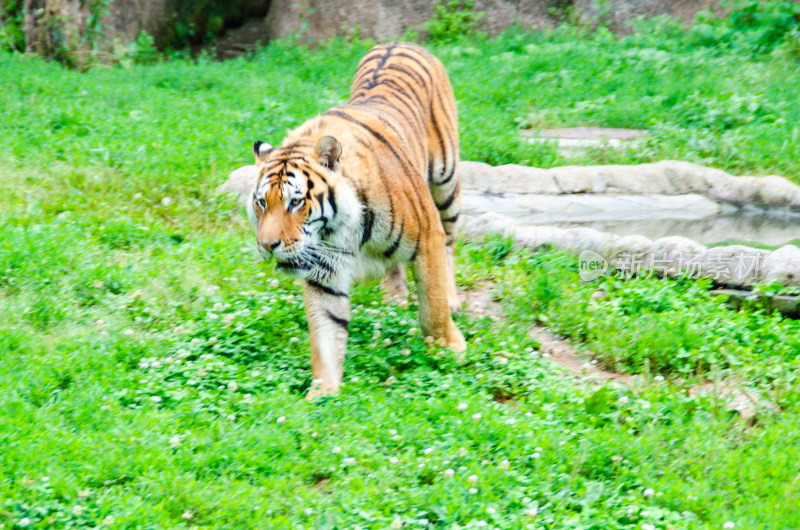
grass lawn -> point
(152, 369)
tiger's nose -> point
(270, 245)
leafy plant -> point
(453, 20)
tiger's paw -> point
(321, 390)
(456, 342)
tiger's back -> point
(401, 96)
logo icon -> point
(591, 265)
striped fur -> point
(361, 190)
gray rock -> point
(782, 266)
(513, 178)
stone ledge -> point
(668, 177)
(734, 265)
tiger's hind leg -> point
(430, 276)
(395, 285)
(447, 196)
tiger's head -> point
(301, 208)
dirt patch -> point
(562, 353)
(482, 302)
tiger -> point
(359, 191)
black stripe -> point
(408, 72)
(424, 67)
(451, 219)
(344, 323)
(369, 220)
(446, 204)
(332, 201)
(448, 179)
(416, 248)
(325, 289)
(394, 246)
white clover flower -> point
(232, 417)
(729, 525)
(472, 479)
(462, 407)
(127, 332)
(336, 450)
(406, 352)
(109, 519)
(649, 492)
(175, 441)
(233, 386)
(411, 331)
(349, 461)
(218, 306)
(532, 512)
(315, 435)
(473, 491)
(77, 509)
(647, 526)
(505, 464)
(261, 274)
(511, 421)
(479, 377)
(294, 339)
(424, 522)
(392, 432)
(387, 342)
(281, 419)
(394, 460)
(476, 416)
(166, 201)
(179, 330)
(24, 522)
(490, 510)
(213, 340)
(535, 455)
(274, 284)
(449, 473)
(624, 400)
(182, 353)
(83, 494)
(155, 399)
(427, 450)
(396, 523)
(213, 316)
(187, 514)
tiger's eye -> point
(296, 202)
(262, 203)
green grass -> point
(153, 370)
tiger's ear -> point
(261, 150)
(328, 151)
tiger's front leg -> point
(328, 315)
